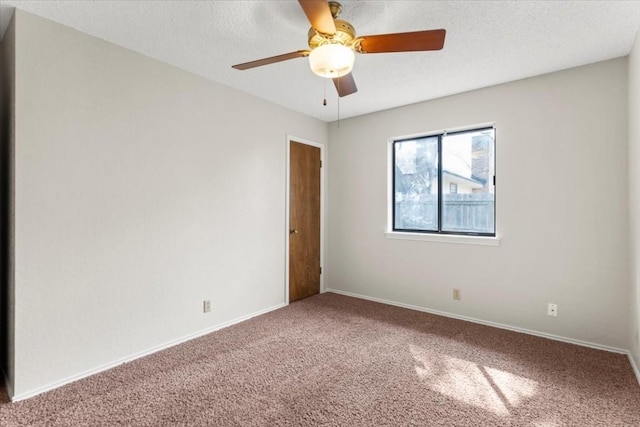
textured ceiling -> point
(488, 42)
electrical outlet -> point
(206, 306)
(552, 310)
(456, 294)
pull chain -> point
(325, 93)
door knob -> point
(293, 231)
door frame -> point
(321, 146)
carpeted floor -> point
(331, 360)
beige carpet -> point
(336, 361)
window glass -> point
(467, 166)
(416, 184)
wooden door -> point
(304, 221)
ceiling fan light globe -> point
(331, 60)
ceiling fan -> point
(333, 42)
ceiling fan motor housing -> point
(345, 35)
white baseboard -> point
(634, 366)
(485, 322)
(138, 355)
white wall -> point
(634, 193)
(562, 208)
(141, 190)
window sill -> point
(445, 238)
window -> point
(445, 183)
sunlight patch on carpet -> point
(483, 387)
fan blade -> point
(271, 60)
(319, 15)
(345, 85)
(403, 42)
